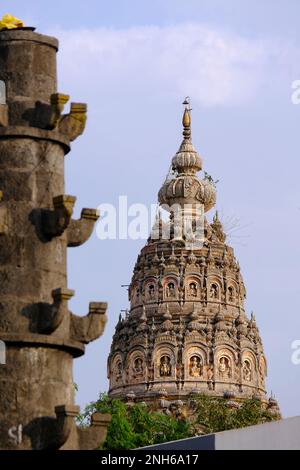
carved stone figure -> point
(119, 371)
(180, 371)
(138, 366)
(247, 374)
(170, 290)
(195, 366)
(224, 368)
(151, 291)
(214, 291)
(165, 366)
(193, 291)
(231, 294)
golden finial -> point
(186, 119)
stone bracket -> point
(49, 116)
(88, 328)
(90, 438)
(55, 222)
(45, 115)
(73, 124)
(51, 316)
(53, 433)
(79, 231)
(63, 434)
(65, 415)
(58, 101)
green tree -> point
(213, 414)
(135, 425)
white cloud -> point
(214, 67)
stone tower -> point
(40, 334)
(187, 331)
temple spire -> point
(185, 188)
(191, 314)
(186, 119)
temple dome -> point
(187, 160)
(188, 190)
(187, 329)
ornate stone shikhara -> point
(187, 331)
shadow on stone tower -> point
(41, 335)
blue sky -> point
(133, 62)
(246, 16)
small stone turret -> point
(41, 335)
(187, 332)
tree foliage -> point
(218, 414)
(137, 426)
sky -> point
(133, 62)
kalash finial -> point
(186, 119)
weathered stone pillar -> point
(42, 337)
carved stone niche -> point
(195, 367)
(136, 367)
(170, 289)
(135, 294)
(192, 289)
(224, 368)
(249, 372)
(165, 367)
(151, 290)
(214, 291)
(116, 371)
(231, 294)
(164, 364)
(225, 365)
(195, 360)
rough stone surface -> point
(37, 408)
